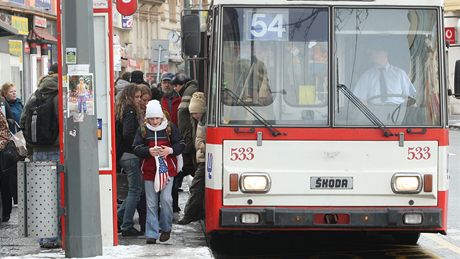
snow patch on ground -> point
(133, 251)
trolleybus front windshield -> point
(389, 59)
(276, 60)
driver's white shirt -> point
(397, 82)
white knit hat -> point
(154, 110)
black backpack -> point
(41, 126)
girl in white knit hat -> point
(158, 143)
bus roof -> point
(326, 2)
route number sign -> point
(267, 25)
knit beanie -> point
(197, 103)
(154, 110)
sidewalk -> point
(186, 242)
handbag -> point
(20, 141)
(10, 155)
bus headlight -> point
(406, 183)
(255, 182)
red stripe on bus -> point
(214, 203)
(218, 135)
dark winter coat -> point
(146, 138)
(16, 109)
(186, 123)
(127, 127)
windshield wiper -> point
(364, 109)
(256, 115)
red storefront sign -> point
(127, 7)
(163, 68)
(449, 33)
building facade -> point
(27, 42)
(137, 37)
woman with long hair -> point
(127, 112)
(146, 96)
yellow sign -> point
(21, 24)
(15, 49)
(307, 94)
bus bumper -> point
(416, 218)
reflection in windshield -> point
(275, 60)
(389, 60)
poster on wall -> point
(43, 4)
(81, 96)
(71, 55)
(21, 2)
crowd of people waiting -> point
(160, 139)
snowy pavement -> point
(186, 242)
(132, 251)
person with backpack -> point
(40, 125)
(127, 114)
(158, 143)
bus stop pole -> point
(186, 62)
(82, 198)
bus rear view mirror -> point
(190, 26)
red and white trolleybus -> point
(325, 115)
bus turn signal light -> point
(428, 183)
(233, 182)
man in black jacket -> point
(185, 87)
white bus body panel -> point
(443, 180)
(291, 164)
(214, 166)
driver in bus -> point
(384, 83)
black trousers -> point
(142, 210)
(189, 168)
(7, 193)
(195, 207)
